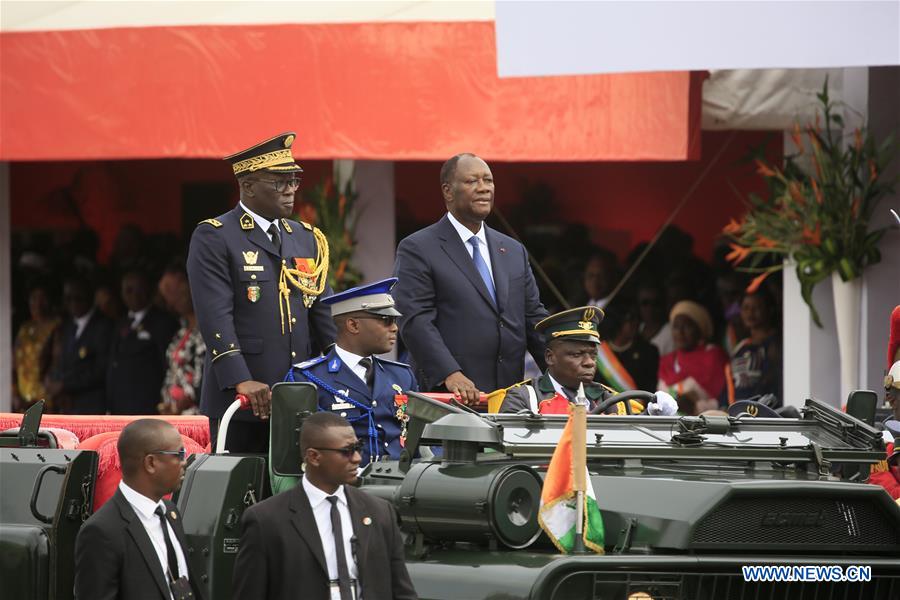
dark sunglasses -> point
(181, 454)
(387, 320)
(347, 451)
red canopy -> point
(395, 91)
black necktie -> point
(569, 393)
(276, 237)
(170, 549)
(370, 371)
(338, 531)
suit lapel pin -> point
(173, 515)
(367, 520)
(397, 388)
(246, 222)
(82, 352)
(502, 250)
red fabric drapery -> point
(394, 91)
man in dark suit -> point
(468, 296)
(134, 547)
(355, 383)
(324, 537)
(256, 278)
(138, 359)
(78, 376)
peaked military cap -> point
(271, 155)
(374, 298)
(752, 408)
(577, 324)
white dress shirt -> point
(143, 508)
(321, 508)
(261, 221)
(352, 361)
(81, 322)
(465, 234)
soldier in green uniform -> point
(571, 355)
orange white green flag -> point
(557, 514)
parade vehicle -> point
(686, 503)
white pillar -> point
(811, 355)
(5, 293)
(376, 227)
(881, 283)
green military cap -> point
(273, 155)
(577, 324)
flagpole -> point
(579, 465)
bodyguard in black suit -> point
(133, 548)
(469, 310)
(138, 358)
(256, 277)
(324, 535)
(79, 373)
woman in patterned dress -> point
(181, 385)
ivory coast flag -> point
(557, 513)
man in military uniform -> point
(257, 279)
(352, 381)
(571, 355)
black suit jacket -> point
(83, 362)
(449, 321)
(137, 363)
(115, 559)
(281, 555)
(234, 275)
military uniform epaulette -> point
(214, 222)
(310, 363)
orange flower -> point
(795, 136)
(873, 172)
(857, 139)
(732, 227)
(796, 193)
(765, 242)
(764, 170)
(854, 206)
(342, 203)
(816, 191)
(813, 238)
(757, 281)
(738, 253)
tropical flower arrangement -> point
(817, 217)
(335, 212)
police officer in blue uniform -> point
(257, 279)
(352, 381)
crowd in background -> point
(119, 338)
(122, 337)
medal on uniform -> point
(253, 293)
(306, 267)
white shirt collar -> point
(465, 233)
(317, 496)
(138, 501)
(138, 315)
(347, 357)
(261, 221)
(556, 385)
(81, 321)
